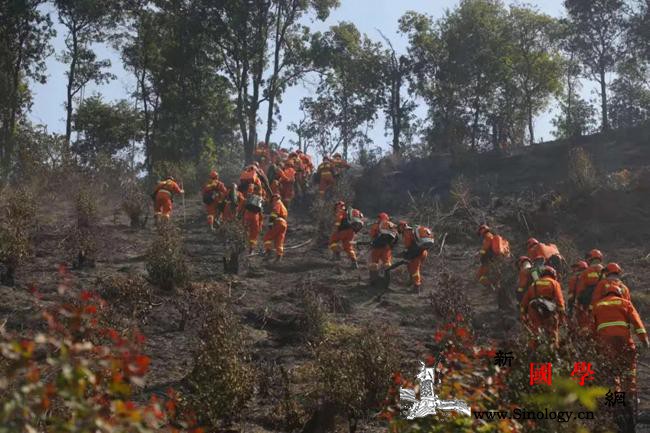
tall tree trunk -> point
(274, 78)
(603, 97)
(397, 113)
(70, 89)
(529, 109)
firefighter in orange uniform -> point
(576, 269)
(249, 176)
(524, 279)
(417, 241)
(550, 252)
(587, 283)
(384, 235)
(339, 164)
(542, 307)
(233, 204)
(348, 222)
(326, 174)
(163, 198)
(615, 322)
(612, 278)
(493, 246)
(253, 217)
(287, 179)
(275, 236)
(214, 191)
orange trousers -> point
(414, 267)
(163, 205)
(212, 211)
(379, 256)
(253, 226)
(326, 182)
(345, 238)
(539, 325)
(276, 236)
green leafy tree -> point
(535, 65)
(104, 128)
(630, 101)
(577, 118)
(25, 33)
(251, 35)
(86, 22)
(598, 37)
(184, 100)
(349, 88)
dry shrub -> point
(620, 180)
(287, 413)
(126, 293)
(82, 235)
(354, 366)
(313, 318)
(134, 204)
(582, 172)
(222, 380)
(166, 262)
(235, 242)
(17, 225)
(448, 300)
(503, 275)
(460, 190)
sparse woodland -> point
(110, 323)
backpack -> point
(545, 307)
(254, 203)
(584, 298)
(208, 197)
(353, 219)
(423, 238)
(386, 237)
(500, 246)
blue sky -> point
(368, 15)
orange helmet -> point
(531, 242)
(383, 216)
(482, 229)
(594, 255)
(613, 268)
(613, 289)
(579, 265)
(522, 260)
(214, 174)
(549, 272)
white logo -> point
(429, 403)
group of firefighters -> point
(598, 307)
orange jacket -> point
(589, 277)
(546, 288)
(605, 286)
(325, 167)
(230, 214)
(168, 186)
(340, 214)
(306, 162)
(278, 210)
(287, 176)
(617, 317)
(545, 250)
(217, 186)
